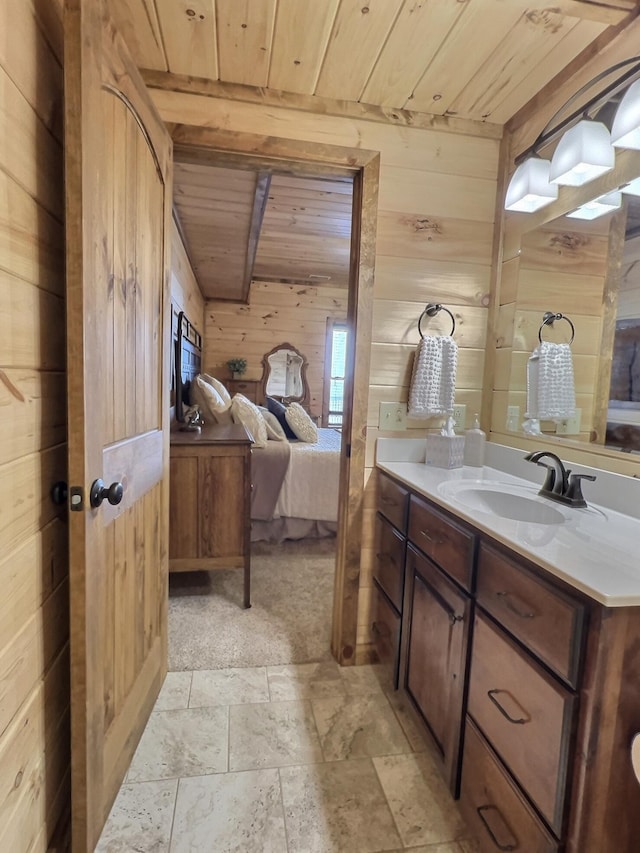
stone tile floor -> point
(308, 758)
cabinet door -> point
(389, 565)
(385, 628)
(437, 657)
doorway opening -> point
(358, 169)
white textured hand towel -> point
(433, 381)
(550, 388)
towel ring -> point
(431, 310)
(549, 319)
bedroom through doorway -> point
(271, 245)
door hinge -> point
(76, 498)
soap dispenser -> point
(474, 442)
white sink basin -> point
(502, 499)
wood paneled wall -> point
(276, 313)
(185, 292)
(34, 618)
(435, 229)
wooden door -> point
(118, 170)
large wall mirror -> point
(589, 271)
(284, 374)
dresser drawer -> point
(450, 545)
(543, 618)
(525, 714)
(494, 809)
(250, 388)
(393, 501)
(389, 565)
(385, 628)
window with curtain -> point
(336, 363)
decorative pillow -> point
(249, 415)
(276, 408)
(220, 388)
(300, 422)
(213, 407)
(275, 431)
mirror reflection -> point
(285, 373)
(590, 272)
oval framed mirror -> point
(284, 374)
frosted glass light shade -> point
(625, 132)
(632, 188)
(529, 188)
(583, 153)
(598, 207)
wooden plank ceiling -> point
(476, 59)
(299, 232)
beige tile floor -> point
(308, 758)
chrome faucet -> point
(559, 484)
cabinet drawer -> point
(525, 714)
(545, 619)
(248, 387)
(389, 565)
(494, 810)
(450, 545)
(385, 627)
(392, 501)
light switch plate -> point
(459, 417)
(569, 426)
(393, 416)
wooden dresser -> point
(251, 388)
(210, 501)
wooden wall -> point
(435, 230)
(276, 313)
(185, 292)
(34, 620)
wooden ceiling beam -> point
(263, 182)
(315, 104)
(610, 12)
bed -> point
(295, 484)
(295, 488)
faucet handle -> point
(574, 489)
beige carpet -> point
(289, 620)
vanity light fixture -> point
(632, 188)
(598, 206)
(529, 188)
(583, 153)
(584, 150)
(625, 132)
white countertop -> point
(596, 550)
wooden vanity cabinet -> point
(389, 574)
(529, 689)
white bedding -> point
(310, 487)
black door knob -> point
(59, 492)
(100, 492)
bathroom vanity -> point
(518, 643)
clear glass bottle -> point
(474, 442)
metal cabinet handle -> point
(100, 492)
(389, 501)
(508, 598)
(516, 721)
(509, 845)
(453, 618)
(59, 493)
(382, 555)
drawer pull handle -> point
(520, 721)
(437, 540)
(508, 845)
(382, 555)
(389, 501)
(453, 618)
(508, 598)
